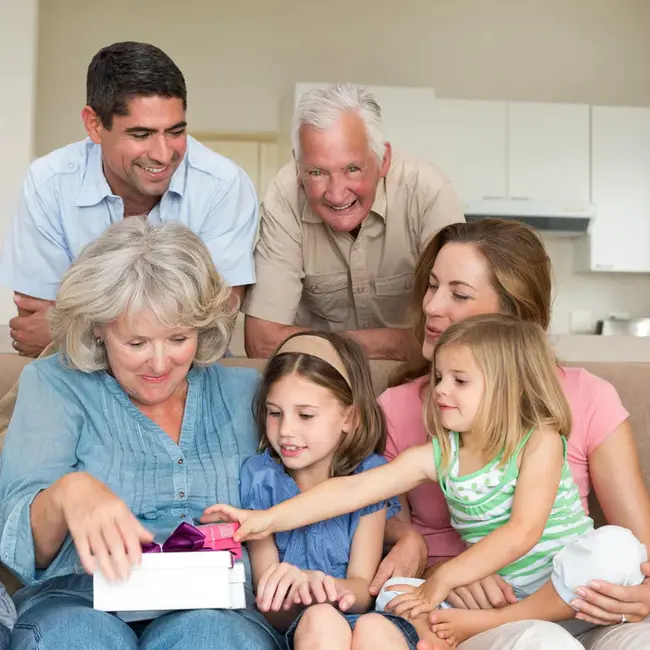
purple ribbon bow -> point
(189, 538)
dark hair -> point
(518, 266)
(370, 436)
(122, 71)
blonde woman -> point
(499, 453)
(128, 431)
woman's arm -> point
(49, 528)
(365, 555)
(409, 553)
(43, 497)
(618, 484)
(40, 449)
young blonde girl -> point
(500, 422)
(318, 418)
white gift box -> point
(173, 581)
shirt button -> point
(180, 461)
(181, 494)
(366, 323)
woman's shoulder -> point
(233, 382)
(582, 386)
(596, 407)
(53, 372)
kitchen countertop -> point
(567, 347)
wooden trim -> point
(235, 136)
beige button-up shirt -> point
(312, 276)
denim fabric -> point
(67, 421)
(323, 546)
(70, 623)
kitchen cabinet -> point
(619, 237)
(408, 116)
(548, 152)
(255, 153)
(514, 150)
(471, 147)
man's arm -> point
(262, 337)
(34, 258)
(30, 330)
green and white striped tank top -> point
(481, 502)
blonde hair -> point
(370, 435)
(519, 270)
(522, 389)
(135, 266)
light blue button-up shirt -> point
(66, 203)
(67, 421)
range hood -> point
(566, 219)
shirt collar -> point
(95, 188)
(378, 205)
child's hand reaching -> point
(283, 586)
(418, 600)
(254, 524)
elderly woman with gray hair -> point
(128, 431)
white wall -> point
(242, 59)
(18, 41)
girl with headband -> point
(318, 418)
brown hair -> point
(370, 435)
(522, 389)
(519, 270)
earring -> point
(99, 340)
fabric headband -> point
(316, 346)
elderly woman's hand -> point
(603, 603)
(107, 535)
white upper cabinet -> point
(619, 238)
(471, 147)
(514, 150)
(548, 152)
(408, 116)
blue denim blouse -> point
(66, 421)
(323, 546)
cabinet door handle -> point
(520, 198)
(493, 198)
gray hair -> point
(134, 266)
(321, 108)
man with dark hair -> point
(137, 161)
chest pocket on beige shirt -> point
(327, 295)
(394, 298)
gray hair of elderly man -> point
(135, 266)
(321, 108)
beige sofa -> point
(630, 379)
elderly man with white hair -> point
(342, 228)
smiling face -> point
(339, 171)
(143, 149)
(148, 360)
(304, 424)
(459, 388)
(459, 287)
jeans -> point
(68, 622)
